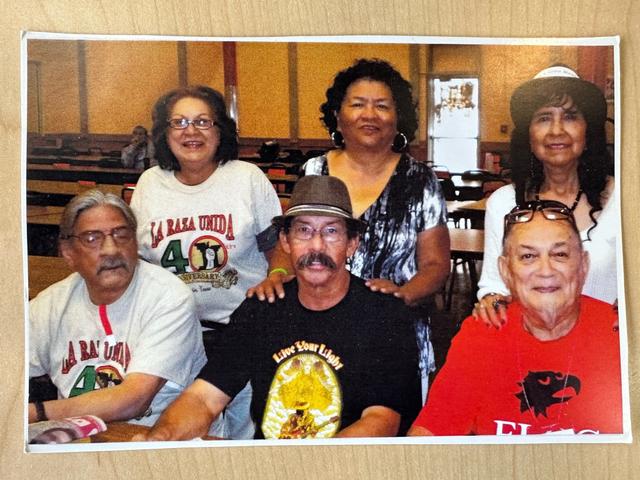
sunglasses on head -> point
(550, 209)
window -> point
(454, 122)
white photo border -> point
(609, 41)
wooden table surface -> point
(457, 205)
(283, 178)
(476, 205)
(76, 160)
(467, 241)
(466, 184)
(73, 173)
(124, 432)
(70, 188)
(45, 271)
(75, 168)
(467, 246)
(468, 211)
(44, 214)
(118, 432)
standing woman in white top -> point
(205, 216)
(558, 152)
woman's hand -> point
(387, 286)
(492, 310)
(270, 287)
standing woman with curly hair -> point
(558, 152)
(371, 118)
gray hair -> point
(88, 200)
(510, 228)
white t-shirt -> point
(601, 282)
(211, 235)
(153, 333)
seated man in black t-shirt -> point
(330, 359)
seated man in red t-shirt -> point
(554, 367)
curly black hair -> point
(594, 163)
(379, 71)
(228, 148)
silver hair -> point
(88, 200)
(508, 233)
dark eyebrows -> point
(363, 99)
(333, 221)
(199, 115)
(560, 244)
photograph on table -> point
(361, 240)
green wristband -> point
(284, 271)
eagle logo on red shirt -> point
(540, 390)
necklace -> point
(575, 203)
(538, 404)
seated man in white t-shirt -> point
(118, 338)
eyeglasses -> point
(550, 209)
(95, 238)
(199, 123)
(330, 233)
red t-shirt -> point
(506, 382)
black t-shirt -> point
(314, 372)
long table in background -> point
(71, 173)
(467, 242)
(44, 214)
(467, 246)
(75, 160)
(71, 188)
(79, 178)
(471, 210)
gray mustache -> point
(316, 257)
(111, 263)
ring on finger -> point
(498, 303)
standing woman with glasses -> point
(558, 152)
(205, 216)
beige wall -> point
(263, 89)
(504, 68)
(59, 84)
(125, 78)
(318, 63)
(205, 64)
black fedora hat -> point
(557, 81)
(320, 195)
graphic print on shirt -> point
(305, 398)
(104, 364)
(540, 390)
(204, 258)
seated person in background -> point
(331, 359)
(140, 153)
(116, 322)
(554, 367)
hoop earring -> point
(337, 139)
(400, 142)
